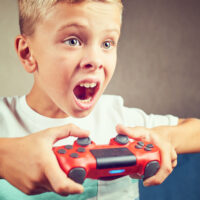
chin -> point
(81, 114)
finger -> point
(45, 185)
(136, 132)
(39, 191)
(61, 132)
(173, 158)
(174, 163)
(165, 169)
(58, 180)
(173, 154)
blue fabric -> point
(182, 184)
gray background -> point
(158, 58)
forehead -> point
(86, 14)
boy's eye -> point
(108, 44)
(72, 42)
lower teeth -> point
(86, 100)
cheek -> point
(55, 75)
(111, 64)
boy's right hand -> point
(30, 165)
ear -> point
(25, 54)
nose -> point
(91, 60)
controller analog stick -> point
(84, 141)
(121, 139)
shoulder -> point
(8, 103)
(9, 106)
(8, 115)
(114, 106)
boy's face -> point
(75, 50)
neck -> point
(40, 102)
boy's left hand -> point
(160, 138)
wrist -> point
(178, 137)
(182, 134)
(167, 133)
(172, 137)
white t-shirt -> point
(17, 119)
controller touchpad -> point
(113, 157)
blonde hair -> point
(31, 11)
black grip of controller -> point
(151, 169)
(77, 174)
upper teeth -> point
(88, 85)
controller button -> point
(121, 139)
(81, 150)
(137, 146)
(147, 149)
(68, 147)
(151, 169)
(74, 155)
(84, 141)
(77, 174)
(149, 145)
(62, 151)
(141, 143)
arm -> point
(185, 136)
(29, 164)
(172, 140)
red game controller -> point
(85, 159)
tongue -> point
(83, 93)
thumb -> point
(133, 132)
(61, 132)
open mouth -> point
(85, 92)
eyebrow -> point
(82, 26)
(76, 25)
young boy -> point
(70, 47)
